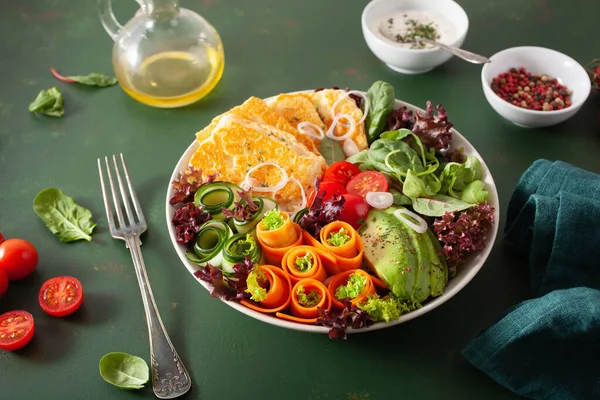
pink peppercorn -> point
(531, 91)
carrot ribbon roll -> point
(308, 295)
(303, 262)
(270, 287)
(276, 234)
(354, 284)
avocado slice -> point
(409, 262)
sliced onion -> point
(330, 132)
(303, 194)
(420, 228)
(357, 93)
(314, 130)
(380, 199)
(350, 148)
(247, 184)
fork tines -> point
(129, 217)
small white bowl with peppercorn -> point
(391, 29)
(535, 87)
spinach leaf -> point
(381, 99)
(124, 370)
(474, 164)
(399, 198)
(49, 102)
(94, 79)
(438, 205)
(474, 192)
(398, 134)
(63, 216)
(414, 186)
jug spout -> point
(161, 8)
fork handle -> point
(170, 379)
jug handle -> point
(108, 19)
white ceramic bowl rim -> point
(461, 30)
(505, 52)
(464, 276)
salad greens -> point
(305, 263)
(353, 288)
(387, 308)
(93, 79)
(381, 98)
(48, 102)
(257, 285)
(63, 216)
(124, 370)
(338, 238)
(308, 300)
(273, 220)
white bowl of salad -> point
(391, 29)
(429, 220)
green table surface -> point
(271, 47)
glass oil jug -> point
(165, 56)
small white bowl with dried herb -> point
(392, 28)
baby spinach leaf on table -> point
(381, 99)
(474, 192)
(93, 79)
(124, 370)
(48, 102)
(438, 205)
(63, 216)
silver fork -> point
(170, 379)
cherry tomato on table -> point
(16, 329)
(341, 172)
(329, 188)
(18, 258)
(367, 181)
(355, 210)
(61, 296)
(3, 282)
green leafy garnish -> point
(244, 247)
(273, 220)
(63, 216)
(257, 284)
(387, 308)
(381, 98)
(304, 263)
(48, 102)
(308, 300)
(338, 238)
(93, 79)
(353, 288)
(124, 370)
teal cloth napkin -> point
(548, 347)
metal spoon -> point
(464, 54)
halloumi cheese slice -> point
(256, 109)
(324, 100)
(237, 144)
(296, 108)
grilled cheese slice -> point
(236, 144)
(255, 109)
(296, 108)
(324, 100)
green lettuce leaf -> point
(48, 102)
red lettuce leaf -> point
(187, 184)
(321, 212)
(187, 221)
(223, 287)
(463, 232)
(434, 131)
(400, 118)
(339, 320)
(243, 209)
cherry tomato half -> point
(3, 282)
(367, 181)
(18, 258)
(341, 172)
(355, 210)
(61, 296)
(330, 188)
(16, 329)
